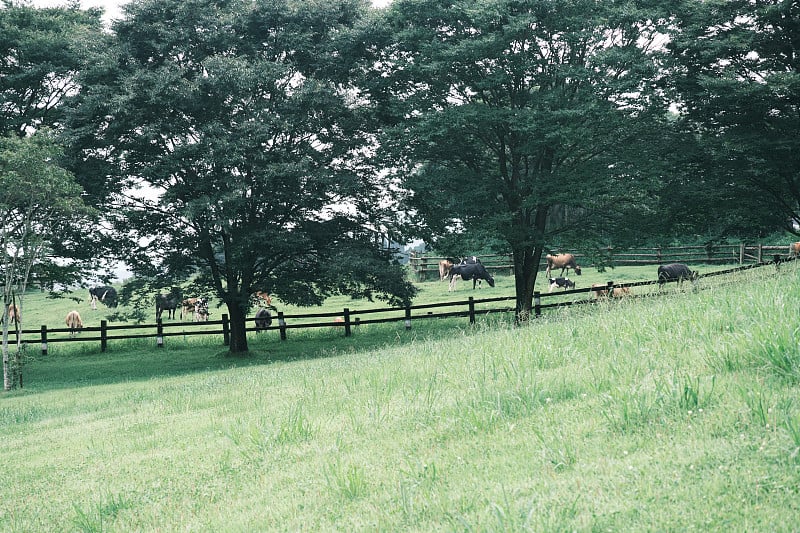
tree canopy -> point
(507, 113)
(238, 120)
(737, 76)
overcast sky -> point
(113, 10)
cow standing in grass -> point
(474, 272)
(263, 319)
(105, 294)
(168, 303)
(74, 322)
(562, 261)
(676, 272)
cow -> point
(600, 290)
(201, 310)
(470, 271)
(189, 307)
(74, 322)
(105, 294)
(676, 272)
(444, 269)
(13, 314)
(170, 303)
(794, 250)
(263, 319)
(562, 261)
(564, 283)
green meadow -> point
(669, 411)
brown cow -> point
(562, 261)
(600, 290)
(13, 313)
(74, 322)
(444, 269)
(794, 249)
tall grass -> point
(653, 413)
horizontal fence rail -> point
(426, 268)
(347, 320)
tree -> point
(38, 201)
(503, 113)
(238, 119)
(41, 50)
(737, 76)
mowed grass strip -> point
(670, 413)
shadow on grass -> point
(141, 360)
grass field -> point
(679, 412)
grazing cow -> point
(600, 290)
(562, 261)
(201, 310)
(105, 294)
(189, 307)
(474, 272)
(74, 322)
(564, 283)
(169, 303)
(675, 272)
(794, 250)
(444, 269)
(263, 319)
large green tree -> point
(737, 73)
(238, 119)
(504, 113)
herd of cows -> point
(195, 308)
(469, 268)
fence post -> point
(103, 335)
(537, 304)
(408, 317)
(346, 322)
(610, 289)
(226, 330)
(159, 333)
(760, 251)
(741, 253)
(471, 310)
(282, 325)
(44, 340)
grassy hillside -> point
(670, 413)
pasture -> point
(671, 413)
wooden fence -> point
(347, 319)
(427, 267)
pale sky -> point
(112, 8)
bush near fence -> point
(426, 268)
(347, 319)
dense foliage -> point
(255, 146)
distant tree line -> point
(244, 145)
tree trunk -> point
(526, 267)
(238, 329)
(8, 371)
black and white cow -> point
(563, 283)
(675, 272)
(470, 271)
(105, 294)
